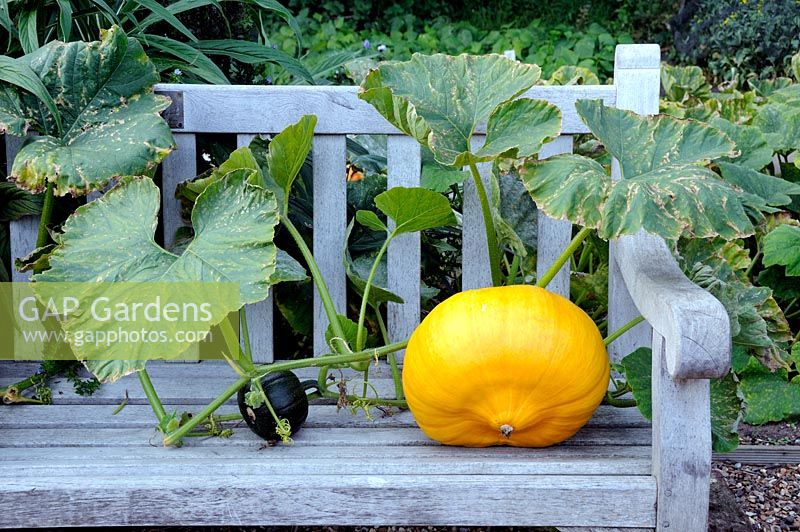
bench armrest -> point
(693, 323)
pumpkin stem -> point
(506, 430)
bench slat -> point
(320, 415)
(252, 109)
(259, 315)
(22, 232)
(68, 461)
(475, 270)
(554, 235)
(329, 499)
(403, 260)
(330, 223)
(327, 437)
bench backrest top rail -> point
(269, 109)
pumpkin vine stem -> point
(176, 436)
(622, 330)
(152, 396)
(316, 275)
(42, 237)
(564, 257)
(260, 370)
(396, 377)
(488, 221)
(362, 313)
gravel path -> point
(748, 497)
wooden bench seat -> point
(342, 468)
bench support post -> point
(681, 447)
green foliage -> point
(663, 190)
(424, 105)
(112, 105)
(726, 400)
(129, 214)
(163, 30)
(782, 246)
(735, 38)
(549, 44)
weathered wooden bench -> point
(74, 463)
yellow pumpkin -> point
(514, 365)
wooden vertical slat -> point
(330, 223)
(404, 161)
(178, 166)
(554, 235)
(22, 232)
(681, 446)
(637, 71)
(259, 315)
(475, 270)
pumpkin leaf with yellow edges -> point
(110, 122)
(665, 189)
(441, 100)
(125, 250)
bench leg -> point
(681, 447)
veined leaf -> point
(643, 144)
(770, 397)
(664, 189)
(111, 121)
(287, 270)
(782, 246)
(440, 100)
(638, 368)
(371, 220)
(780, 123)
(234, 225)
(287, 152)
(757, 322)
(415, 209)
(27, 30)
(774, 191)
(682, 83)
(573, 75)
(440, 178)
(750, 143)
(16, 203)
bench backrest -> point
(249, 110)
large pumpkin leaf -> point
(770, 395)
(750, 143)
(110, 117)
(780, 123)
(643, 144)
(112, 239)
(773, 191)
(757, 322)
(440, 100)
(665, 190)
(782, 246)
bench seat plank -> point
(300, 499)
(320, 415)
(320, 460)
(335, 436)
